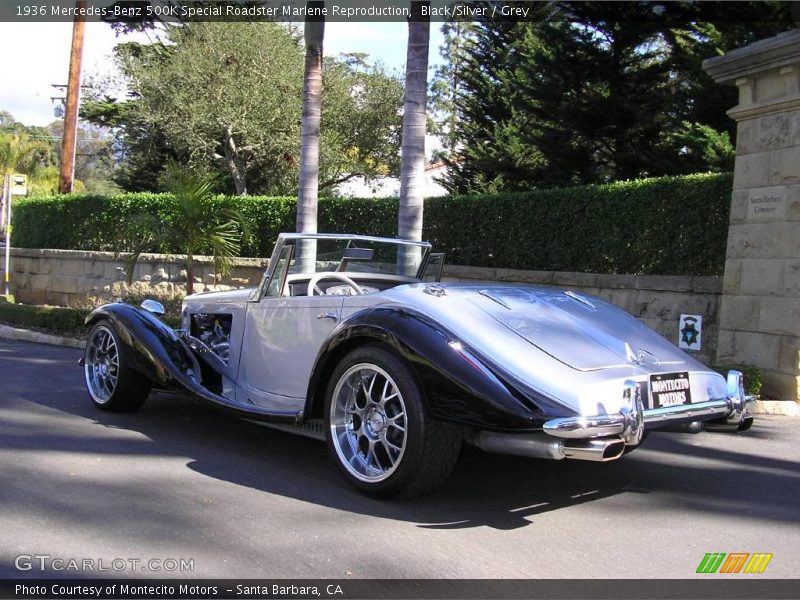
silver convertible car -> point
(354, 340)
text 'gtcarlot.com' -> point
(46, 562)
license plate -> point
(670, 389)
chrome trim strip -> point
(579, 298)
(488, 294)
(682, 411)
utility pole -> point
(73, 100)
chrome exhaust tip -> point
(594, 450)
(539, 446)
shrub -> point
(49, 319)
(68, 322)
(752, 377)
(662, 226)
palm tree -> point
(18, 153)
(412, 160)
(199, 226)
(308, 189)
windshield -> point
(355, 255)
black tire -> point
(430, 448)
(112, 384)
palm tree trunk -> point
(412, 159)
(189, 273)
(308, 189)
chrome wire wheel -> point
(101, 364)
(368, 424)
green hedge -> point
(753, 380)
(668, 225)
(58, 320)
(49, 319)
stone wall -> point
(760, 309)
(79, 279)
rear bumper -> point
(731, 413)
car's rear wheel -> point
(111, 383)
(377, 428)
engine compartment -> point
(214, 330)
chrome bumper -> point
(629, 424)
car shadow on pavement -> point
(485, 490)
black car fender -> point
(157, 352)
(458, 384)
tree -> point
(308, 189)
(361, 110)
(412, 160)
(21, 153)
(616, 91)
(227, 97)
(94, 157)
(200, 225)
(221, 93)
(140, 146)
(36, 151)
(18, 153)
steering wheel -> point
(312, 283)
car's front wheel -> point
(111, 382)
(377, 428)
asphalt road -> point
(177, 480)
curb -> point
(784, 408)
(25, 335)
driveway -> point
(177, 480)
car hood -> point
(581, 331)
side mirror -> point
(154, 307)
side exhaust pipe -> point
(543, 446)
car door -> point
(282, 336)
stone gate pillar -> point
(759, 321)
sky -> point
(36, 55)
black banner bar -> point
(148, 12)
(712, 587)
